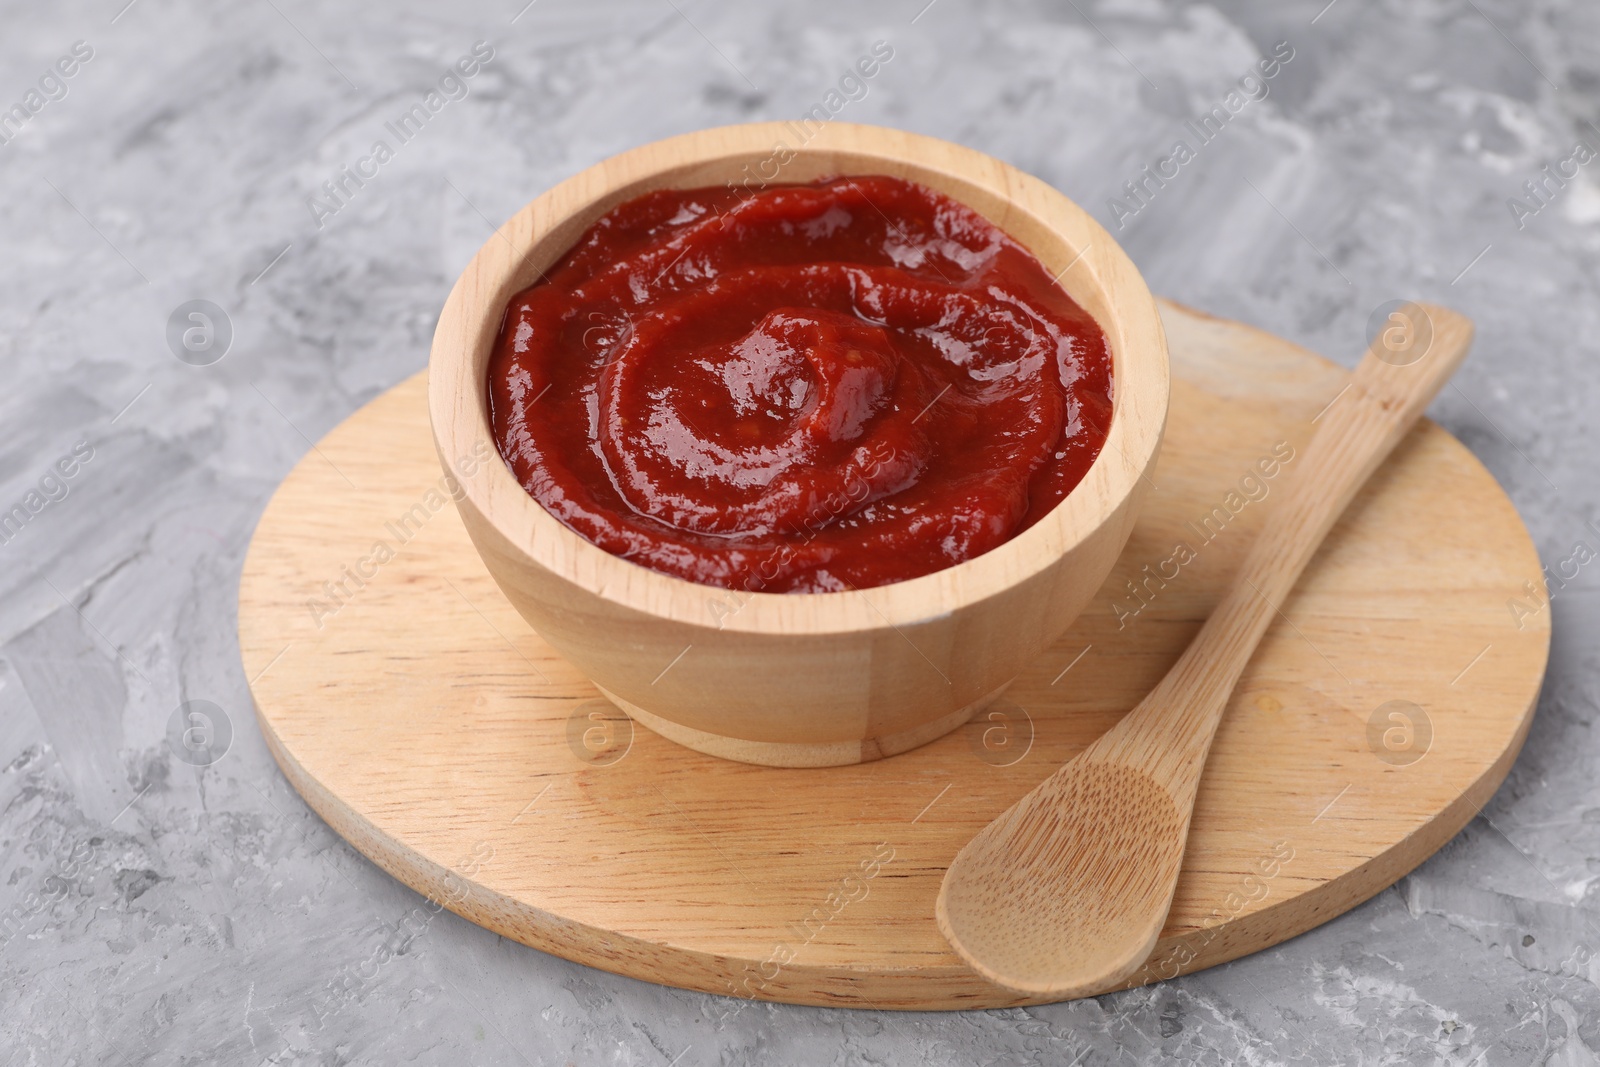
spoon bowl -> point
(1077, 883)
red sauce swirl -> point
(812, 388)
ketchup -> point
(806, 389)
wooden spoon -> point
(1066, 892)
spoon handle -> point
(1170, 731)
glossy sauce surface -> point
(806, 389)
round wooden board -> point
(419, 715)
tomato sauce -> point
(806, 389)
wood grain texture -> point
(1068, 890)
(818, 679)
(428, 725)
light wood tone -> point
(816, 679)
(429, 726)
(1067, 891)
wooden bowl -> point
(801, 679)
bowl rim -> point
(532, 239)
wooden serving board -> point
(419, 715)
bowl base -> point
(803, 753)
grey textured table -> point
(160, 908)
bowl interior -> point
(1087, 262)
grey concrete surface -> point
(159, 912)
